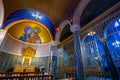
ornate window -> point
(112, 36)
(93, 51)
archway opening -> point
(65, 33)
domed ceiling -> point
(48, 13)
(20, 30)
(30, 26)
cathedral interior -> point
(59, 40)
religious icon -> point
(36, 31)
(31, 35)
(27, 33)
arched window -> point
(93, 51)
(112, 37)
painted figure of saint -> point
(31, 35)
(27, 34)
(36, 31)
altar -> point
(27, 54)
(24, 69)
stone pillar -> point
(77, 47)
(110, 62)
(53, 61)
(2, 36)
(1, 13)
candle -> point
(51, 54)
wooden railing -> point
(25, 76)
(94, 71)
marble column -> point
(75, 29)
(2, 36)
(53, 58)
(1, 13)
(110, 63)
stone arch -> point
(79, 10)
(62, 26)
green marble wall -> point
(8, 61)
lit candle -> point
(51, 54)
(30, 62)
(23, 60)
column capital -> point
(54, 43)
(74, 28)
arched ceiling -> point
(94, 9)
(56, 10)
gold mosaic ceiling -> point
(56, 10)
